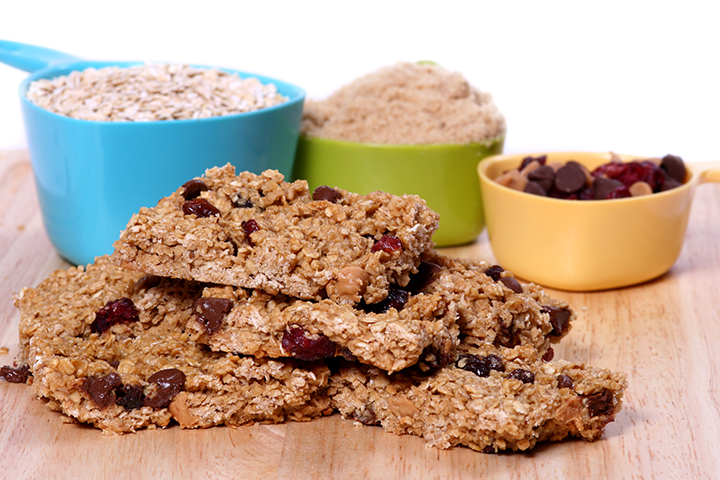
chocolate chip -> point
(559, 319)
(169, 383)
(193, 188)
(130, 397)
(101, 390)
(494, 272)
(147, 282)
(603, 187)
(564, 381)
(323, 192)
(200, 207)
(528, 160)
(114, 312)
(525, 376)
(512, 284)
(534, 188)
(544, 176)
(15, 375)
(668, 183)
(427, 271)
(570, 178)
(211, 312)
(600, 403)
(480, 366)
(674, 166)
(396, 298)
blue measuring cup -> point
(92, 176)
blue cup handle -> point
(31, 58)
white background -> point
(634, 77)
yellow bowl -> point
(445, 176)
(585, 245)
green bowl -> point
(445, 176)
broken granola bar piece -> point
(491, 307)
(230, 319)
(261, 232)
(147, 372)
(491, 399)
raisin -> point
(15, 375)
(480, 366)
(388, 244)
(114, 312)
(525, 376)
(564, 381)
(323, 192)
(559, 319)
(427, 271)
(297, 343)
(494, 272)
(600, 403)
(396, 299)
(200, 207)
(169, 383)
(130, 397)
(250, 226)
(211, 311)
(240, 202)
(512, 284)
(102, 389)
(193, 188)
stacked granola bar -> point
(245, 298)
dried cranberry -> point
(548, 355)
(193, 188)
(169, 383)
(427, 271)
(388, 244)
(130, 397)
(323, 192)
(480, 366)
(250, 226)
(600, 403)
(200, 207)
(101, 390)
(525, 376)
(564, 381)
(396, 299)
(559, 319)
(631, 172)
(211, 311)
(15, 375)
(494, 272)
(297, 343)
(114, 312)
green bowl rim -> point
(485, 144)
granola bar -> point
(258, 231)
(107, 347)
(420, 322)
(491, 399)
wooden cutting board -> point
(664, 334)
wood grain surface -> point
(665, 334)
